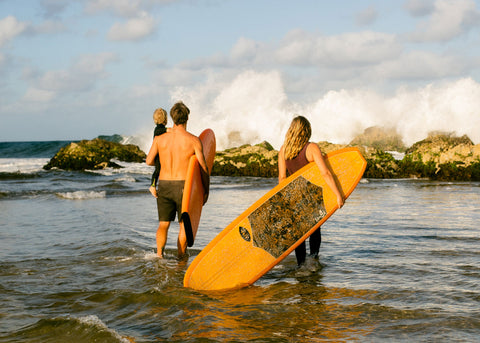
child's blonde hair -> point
(160, 116)
(297, 136)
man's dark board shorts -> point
(169, 201)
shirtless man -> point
(174, 149)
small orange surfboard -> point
(274, 225)
(194, 190)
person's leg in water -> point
(300, 253)
(162, 233)
(315, 241)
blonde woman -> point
(295, 153)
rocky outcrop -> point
(445, 156)
(441, 156)
(259, 160)
(94, 154)
(442, 148)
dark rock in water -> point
(94, 154)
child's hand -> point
(153, 191)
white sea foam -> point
(150, 255)
(22, 165)
(82, 195)
(125, 178)
(92, 320)
(127, 168)
(254, 106)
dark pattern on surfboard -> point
(284, 218)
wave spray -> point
(253, 107)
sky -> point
(77, 69)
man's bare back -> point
(174, 149)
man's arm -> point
(203, 164)
(152, 153)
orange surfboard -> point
(194, 190)
(274, 225)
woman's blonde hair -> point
(160, 116)
(297, 136)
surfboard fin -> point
(187, 224)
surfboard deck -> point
(193, 191)
(274, 225)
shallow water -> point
(399, 262)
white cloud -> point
(245, 50)
(124, 8)
(313, 63)
(450, 19)
(422, 65)
(10, 27)
(133, 29)
(358, 48)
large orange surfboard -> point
(194, 190)
(274, 225)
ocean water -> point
(400, 262)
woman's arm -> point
(314, 154)
(282, 167)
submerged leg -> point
(162, 232)
(314, 241)
(182, 241)
(300, 253)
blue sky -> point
(79, 69)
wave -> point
(31, 149)
(254, 106)
(22, 165)
(82, 195)
(97, 323)
(88, 328)
(15, 167)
